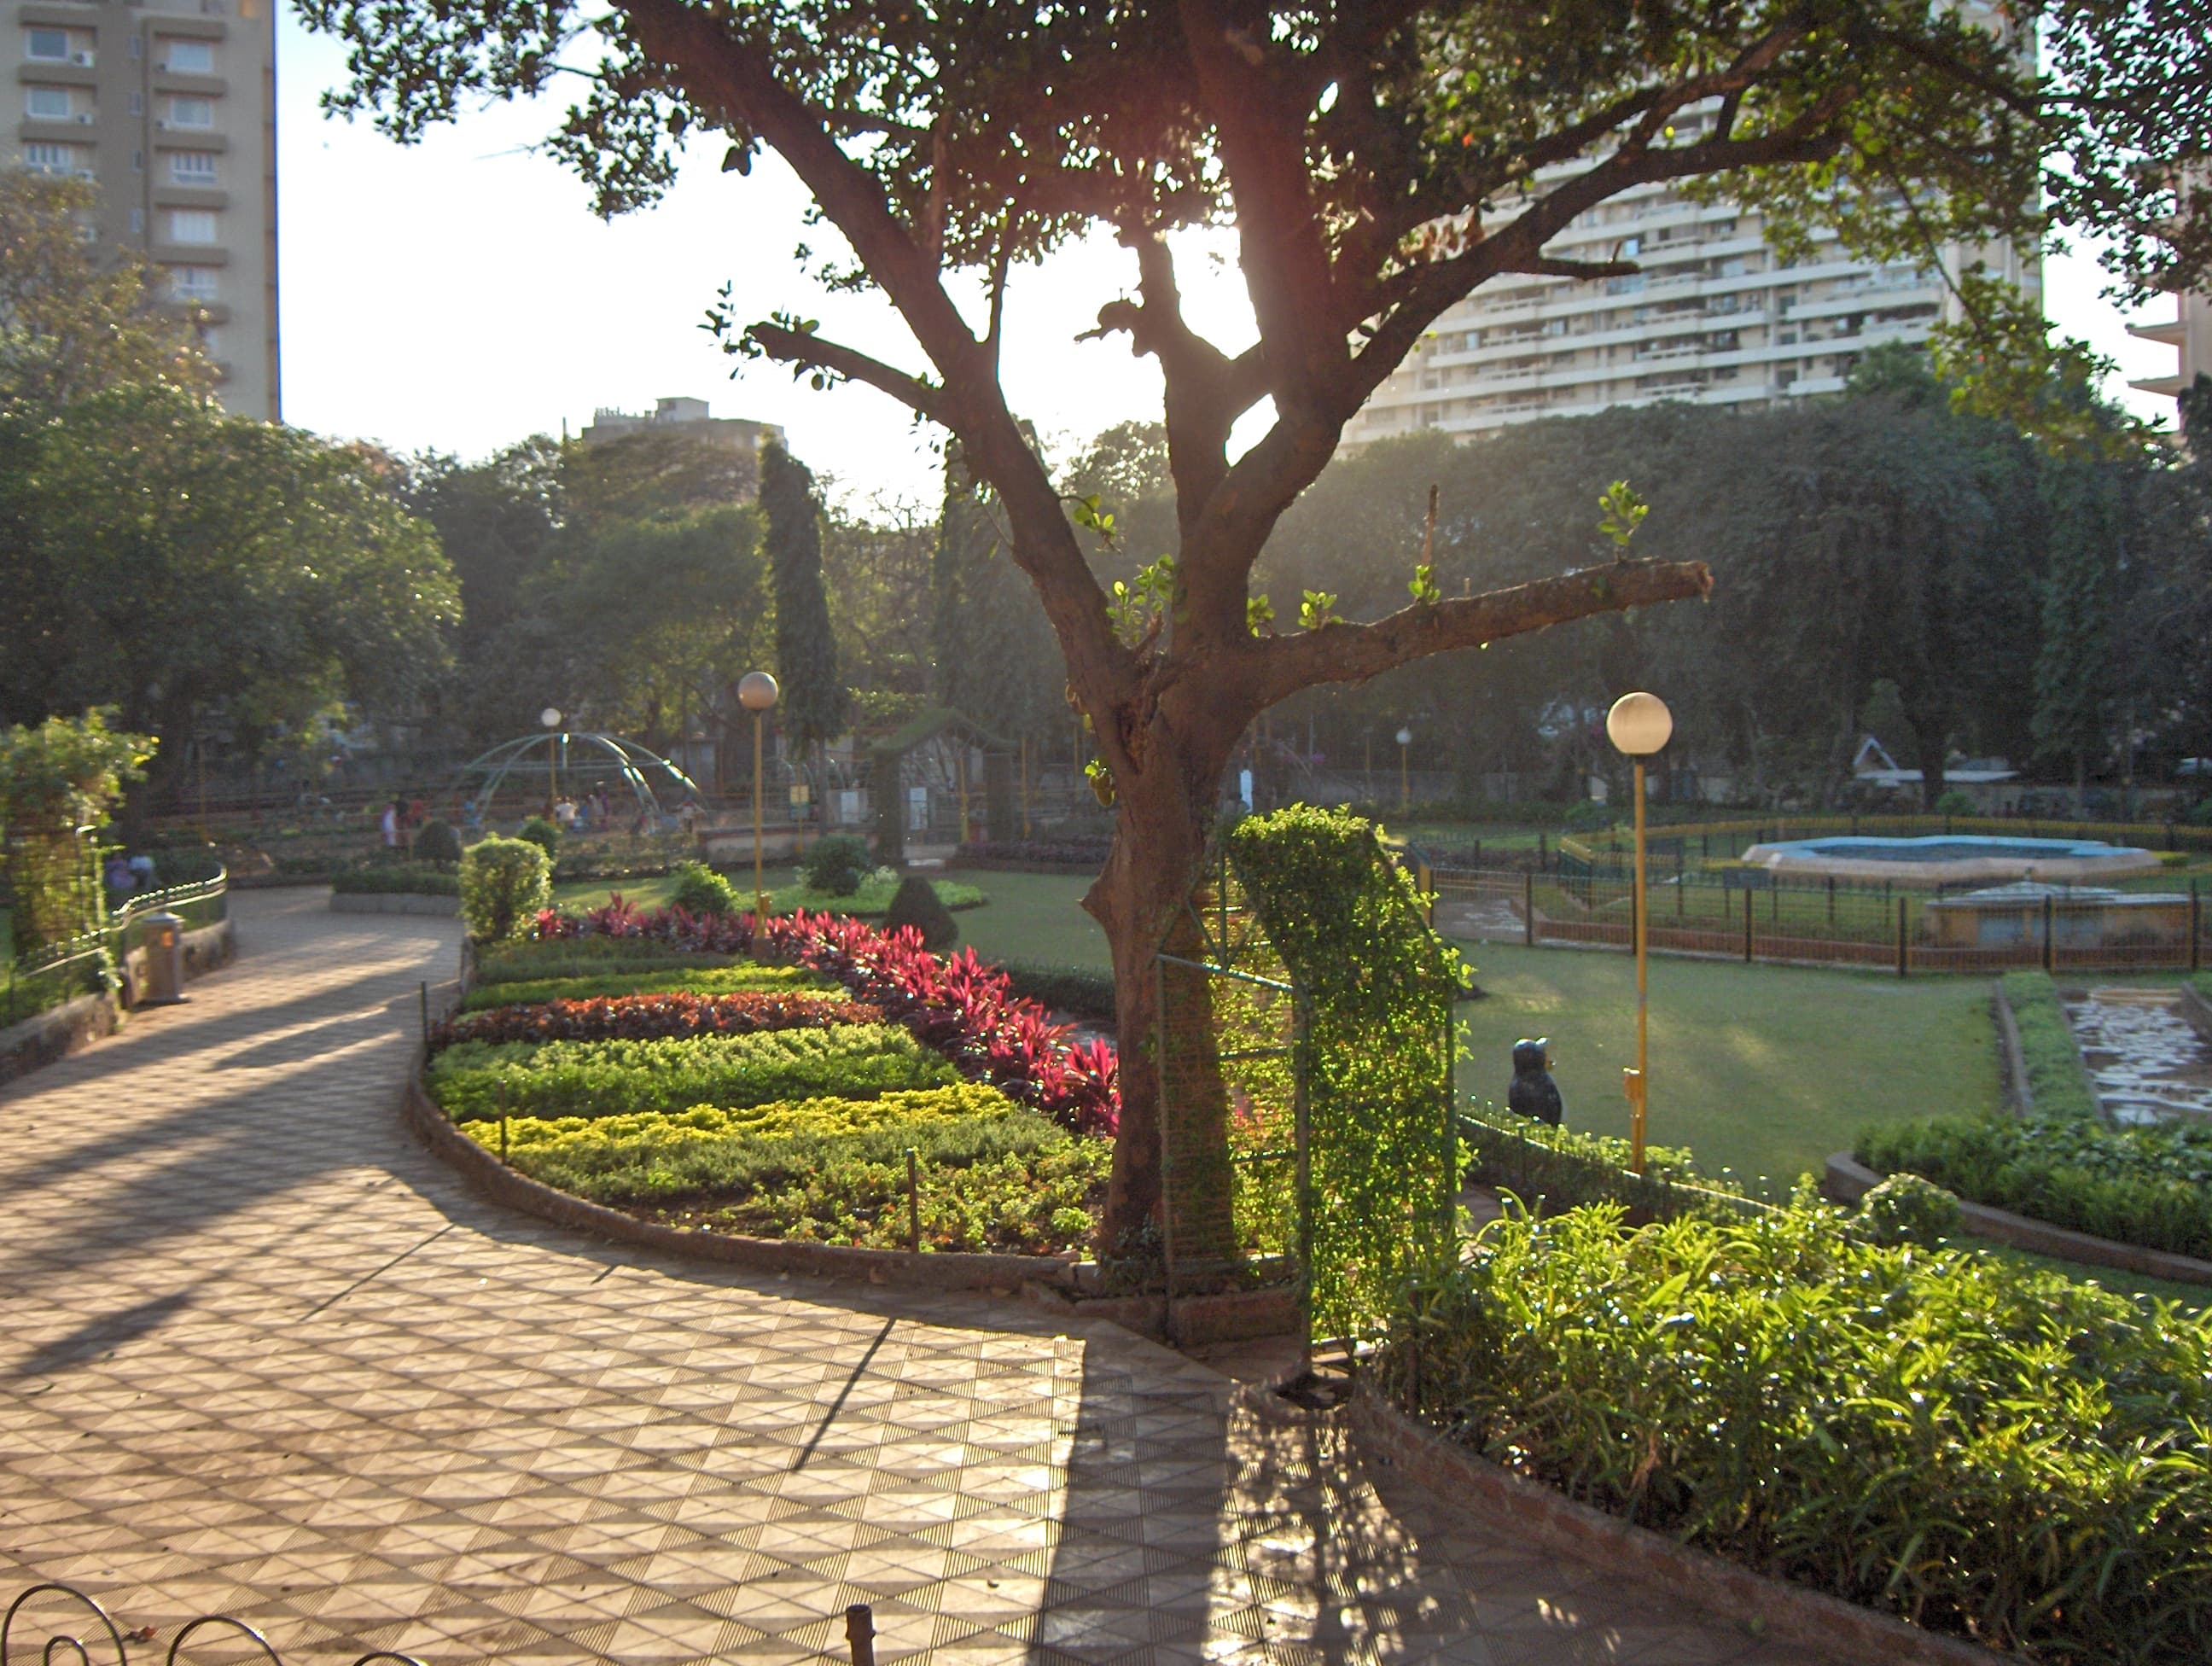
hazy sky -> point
(458, 295)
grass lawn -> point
(1765, 1070)
(2194, 1297)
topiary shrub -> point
(700, 890)
(543, 833)
(915, 904)
(503, 883)
(1907, 1209)
(2200, 813)
(1954, 802)
(1587, 816)
(836, 864)
(436, 842)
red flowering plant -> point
(654, 1017)
(956, 1004)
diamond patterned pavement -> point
(260, 1354)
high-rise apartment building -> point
(170, 107)
(2190, 333)
(1717, 316)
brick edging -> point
(1848, 1180)
(929, 1270)
(1785, 1613)
(2017, 1085)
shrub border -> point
(2017, 1087)
(1826, 1625)
(1847, 1180)
(393, 902)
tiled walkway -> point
(260, 1354)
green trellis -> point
(1304, 1038)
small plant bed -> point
(873, 896)
(2147, 1186)
(690, 980)
(2057, 1080)
(396, 880)
(781, 1098)
(1980, 1448)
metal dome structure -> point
(519, 778)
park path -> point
(261, 1355)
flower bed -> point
(2147, 1186)
(781, 1100)
(1940, 1435)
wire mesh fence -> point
(87, 964)
(1755, 917)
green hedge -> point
(588, 957)
(607, 1078)
(2147, 1186)
(1552, 1170)
(1083, 991)
(2056, 1076)
(704, 981)
(396, 880)
(1939, 1435)
(504, 884)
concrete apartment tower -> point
(2189, 333)
(170, 107)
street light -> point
(1638, 726)
(550, 717)
(1405, 779)
(757, 692)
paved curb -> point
(1848, 1180)
(393, 902)
(2009, 1054)
(1774, 1608)
(950, 1270)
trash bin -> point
(163, 937)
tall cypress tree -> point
(817, 705)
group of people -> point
(399, 820)
(595, 813)
(126, 876)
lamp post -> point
(757, 692)
(1405, 778)
(1639, 725)
(550, 717)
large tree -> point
(1378, 161)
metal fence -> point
(1830, 922)
(87, 964)
(1725, 840)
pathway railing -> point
(88, 963)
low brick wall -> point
(1826, 1627)
(2013, 1061)
(356, 902)
(1848, 1180)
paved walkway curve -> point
(260, 1354)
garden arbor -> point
(1304, 1034)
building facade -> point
(2189, 333)
(1715, 316)
(688, 419)
(169, 107)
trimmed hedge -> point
(504, 882)
(606, 1078)
(1553, 1170)
(1941, 1436)
(2149, 1186)
(700, 980)
(656, 1016)
(395, 879)
(589, 956)
(2056, 1075)
(1083, 990)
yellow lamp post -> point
(1405, 772)
(757, 693)
(1639, 725)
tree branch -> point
(806, 349)
(1354, 652)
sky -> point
(458, 295)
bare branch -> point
(1354, 652)
(808, 350)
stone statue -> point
(1534, 1093)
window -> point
(49, 158)
(194, 283)
(191, 226)
(210, 343)
(137, 162)
(188, 58)
(137, 46)
(138, 222)
(46, 103)
(192, 167)
(47, 45)
(192, 112)
(137, 104)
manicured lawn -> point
(1765, 1070)
(785, 891)
(1033, 916)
